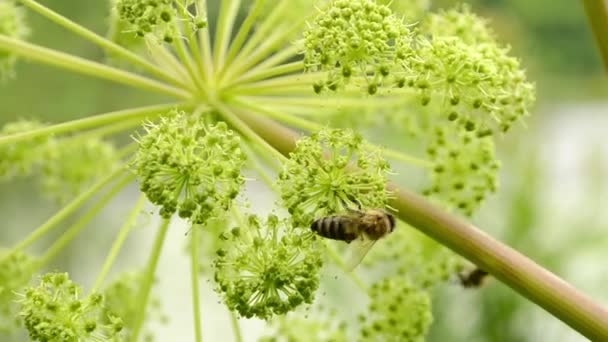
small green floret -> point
(13, 25)
(186, 166)
(16, 270)
(56, 311)
(21, 158)
(331, 171)
(398, 312)
(267, 268)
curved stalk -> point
(517, 271)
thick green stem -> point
(123, 233)
(94, 121)
(506, 264)
(236, 329)
(101, 41)
(84, 66)
(82, 222)
(148, 281)
(194, 274)
(597, 12)
(66, 211)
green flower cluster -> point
(55, 311)
(21, 158)
(267, 268)
(459, 22)
(317, 325)
(16, 270)
(122, 300)
(71, 165)
(398, 311)
(188, 166)
(158, 17)
(12, 24)
(464, 169)
(330, 171)
(355, 38)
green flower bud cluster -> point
(20, 159)
(267, 268)
(355, 38)
(411, 10)
(16, 270)
(330, 171)
(122, 300)
(55, 311)
(188, 166)
(71, 165)
(158, 17)
(465, 169)
(399, 311)
(459, 22)
(317, 325)
(12, 24)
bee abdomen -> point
(333, 227)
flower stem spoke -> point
(236, 328)
(123, 233)
(82, 222)
(266, 73)
(146, 285)
(225, 24)
(186, 58)
(244, 30)
(258, 167)
(94, 121)
(205, 44)
(406, 158)
(104, 43)
(66, 211)
(289, 119)
(163, 57)
(194, 274)
(84, 66)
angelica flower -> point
(188, 166)
(267, 268)
(20, 159)
(56, 311)
(16, 270)
(12, 24)
(330, 171)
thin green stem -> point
(236, 328)
(260, 74)
(286, 118)
(186, 58)
(102, 42)
(257, 166)
(227, 15)
(95, 121)
(107, 130)
(406, 158)
(167, 60)
(244, 30)
(205, 44)
(84, 66)
(509, 266)
(194, 274)
(66, 211)
(71, 233)
(148, 281)
(123, 233)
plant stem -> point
(123, 233)
(87, 67)
(238, 337)
(101, 41)
(597, 12)
(244, 30)
(225, 23)
(82, 222)
(66, 211)
(94, 121)
(194, 274)
(148, 280)
(256, 75)
(506, 264)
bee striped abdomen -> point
(335, 228)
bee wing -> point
(357, 250)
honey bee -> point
(474, 278)
(362, 228)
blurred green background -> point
(553, 195)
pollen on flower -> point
(331, 171)
(187, 166)
(355, 38)
(12, 24)
(267, 268)
(398, 311)
(55, 310)
(21, 158)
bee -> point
(474, 278)
(362, 228)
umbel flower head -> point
(188, 166)
(398, 312)
(355, 39)
(21, 158)
(330, 171)
(55, 311)
(267, 267)
(12, 24)
(16, 270)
